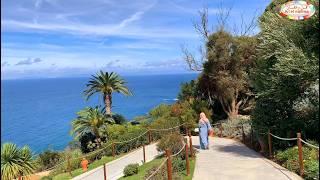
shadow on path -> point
(237, 150)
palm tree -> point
(15, 162)
(89, 120)
(106, 84)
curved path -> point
(115, 167)
(228, 159)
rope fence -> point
(311, 145)
(281, 138)
(111, 144)
(155, 172)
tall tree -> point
(15, 162)
(89, 120)
(225, 73)
(286, 73)
(106, 84)
(225, 62)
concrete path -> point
(115, 168)
(228, 159)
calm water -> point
(39, 112)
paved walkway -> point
(115, 168)
(228, 159)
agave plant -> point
(106, 84)
(16, 162)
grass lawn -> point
(93, 165)
(184, 173)
(145, 167)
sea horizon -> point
(39, 116)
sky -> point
(70, 38)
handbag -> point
(210, 131)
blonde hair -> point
(203, 117)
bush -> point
(119, 119)
(173, 142)
(131, 169)
(178, 164)
(48, 159)
(125, 132)
(46, 178)
(161, 174)
(289, 159)
(230, 130)
(75, 161)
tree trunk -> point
(231, 109)
(108, 102)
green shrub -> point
(130, 170)
(289, 159)
(75, 161)
(173, 142)
(232, 128)
(178, 164)
(161, 174)
(48, 159)
(46, 178)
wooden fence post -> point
(300, 154)
(104, 172)
(113, 149)
(169, 164)
(220, 128)
(187, 157)
(144, 153)
(190, 143)
(270, 144)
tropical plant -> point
(89, 120)
(15, 162)
(106, 84)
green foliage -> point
(48, 159)
(119, 119)
(286, 71)
(85, 140)
(225, 75)
(178, 164)
(89, 120)
(126, 132)
(289, 159)
(75, 160)
(172, 141)
(15, 161)
(106, 84)
(130, 170)
(188, 91)
(233, 129)
(46, 178)
(162, 110)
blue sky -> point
(63, 38)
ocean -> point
(38, 112)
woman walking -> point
(204, 128)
